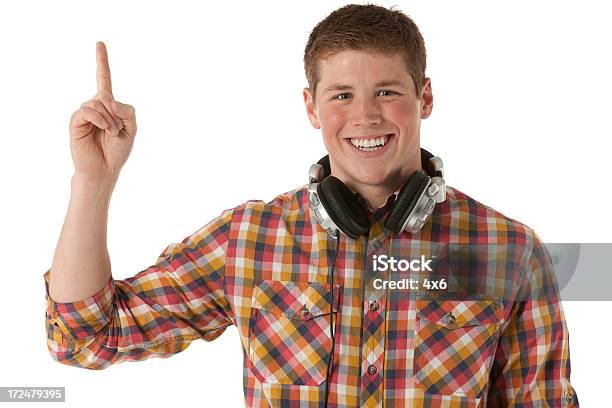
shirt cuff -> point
(82, 318)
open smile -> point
(372, 145)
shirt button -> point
(372, 369)
(569, 397)
(450, 318)
(304, 311)
(376, 244)
(374, 306)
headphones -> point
(336, 207)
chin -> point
(370, 176)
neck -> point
(377, 194)
(374, 195)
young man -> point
(321, 323)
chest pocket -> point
(456, 338)
(289, 331)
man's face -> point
(369, 114)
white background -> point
(521, 118)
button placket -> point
(374, 325)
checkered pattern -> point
(466, 310)
(290, 337)
(455, 356)
(496, 337)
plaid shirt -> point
(496, 335)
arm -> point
(532, 362)
(93, 320)
(102, 134)
(81, 265)
(156, 313)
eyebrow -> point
(343, 87)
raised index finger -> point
(103, 76)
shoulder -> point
(250, 219)
(467, 217)
(507, 240)
(288, 205)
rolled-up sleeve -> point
(155, 313)
(532, 363)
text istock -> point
(383, 263)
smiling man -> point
(369, 111)
(479, 322)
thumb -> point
(127, 114)
(122, 110)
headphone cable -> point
(331, 320)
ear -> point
(426, 99)
(311, 110)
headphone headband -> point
(336, 208)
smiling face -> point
(367, 109)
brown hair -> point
(370, 28)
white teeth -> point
(370, 145)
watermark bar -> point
(32, 394)
(583, 270)
(510, 271)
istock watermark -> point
(383, 263)
(569, 271)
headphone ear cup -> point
(343, 207)
(406, 200)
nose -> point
(366, 112)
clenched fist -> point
(102, 131)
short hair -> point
(366, 27)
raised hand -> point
(102, 130)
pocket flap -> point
(295, 300)
(460, 310)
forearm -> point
(81, 264)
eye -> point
(388, 92)
(340, 96)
